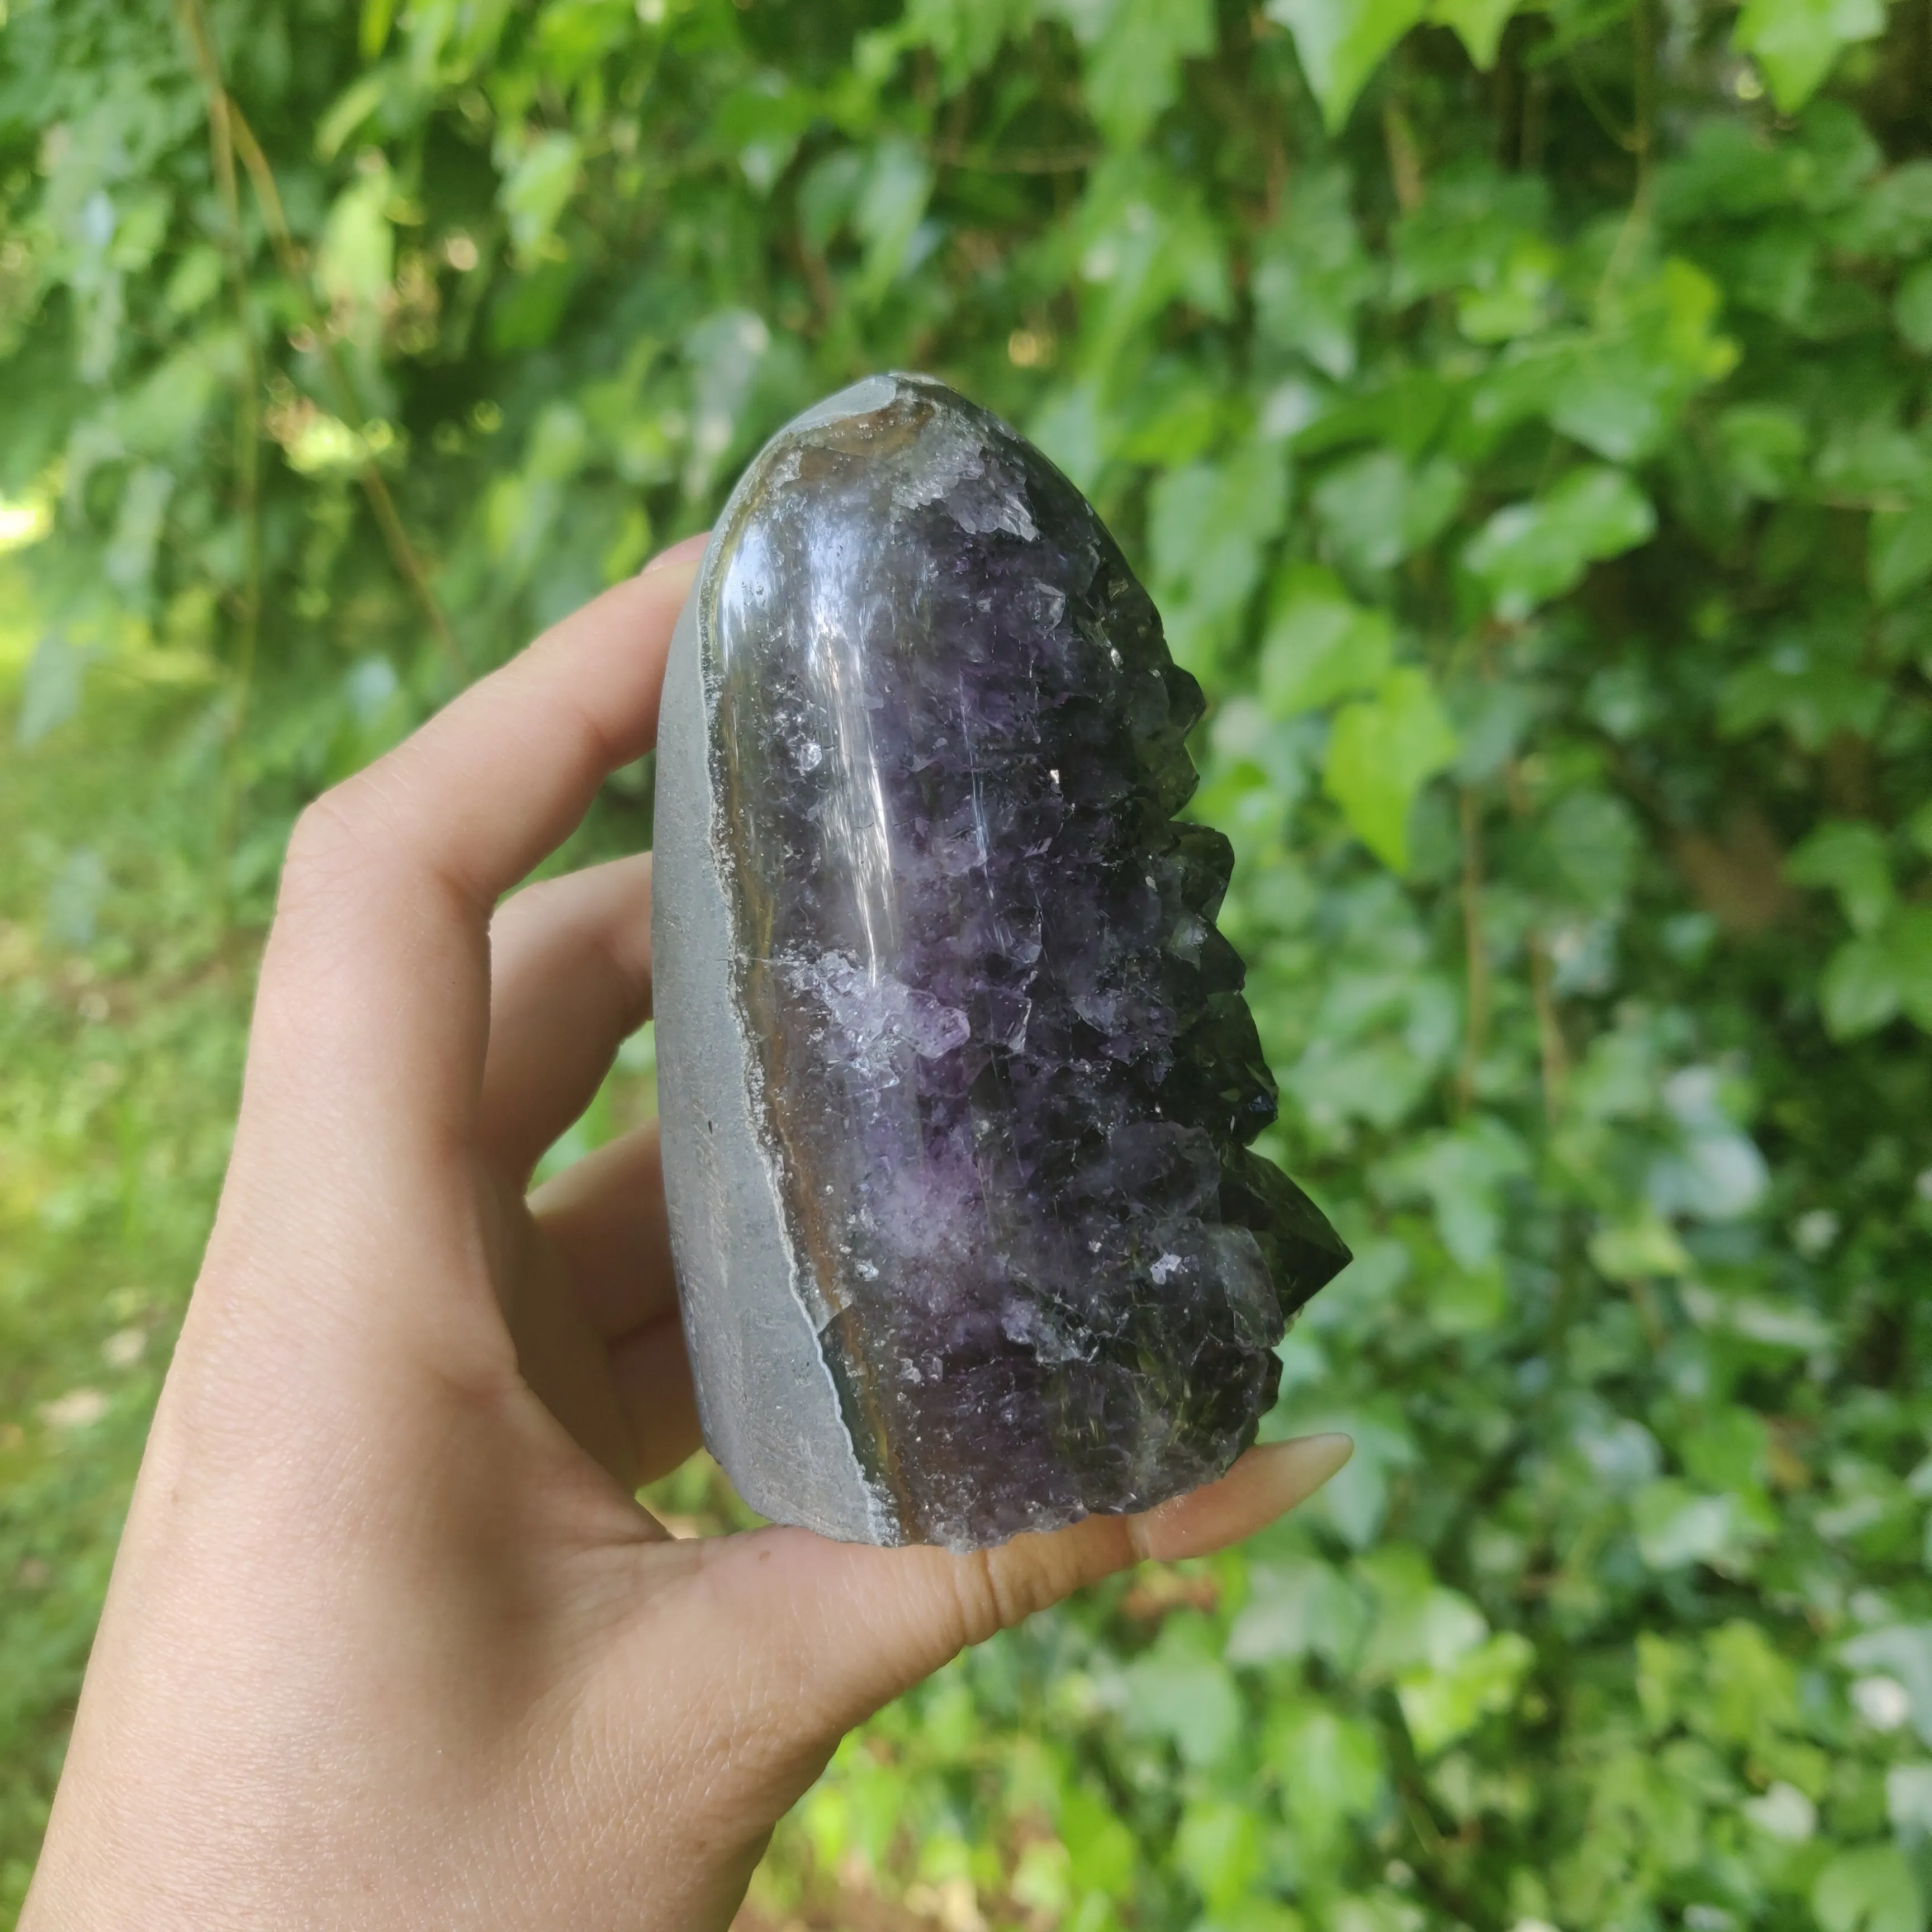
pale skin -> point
(390, 1642)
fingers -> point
(605, 1214)
(652, 1374)
(845, 1629)
(570, 977)
(351, 1196)
(604, 1219)
(374, 1009)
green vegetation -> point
(1520, 415)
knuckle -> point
(982, 1598)
(329, 838)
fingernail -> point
(687, 549)
(1308, 1461)
(1265, 1483)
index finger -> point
(373, 1012)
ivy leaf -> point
(1295, 1609)
(1529, 553)
(1311, 274)
(357, 256)
(1802, 685)
(1796, 41)
(1099, 1848)
(52, 692)
(1381, 751)
(373, 33)
(536, 190)
(1177, 1691)
(890, 207)
(1849, 856)
(1439, 1706)
(1871, 1889)
(1377, 509)
(1132, 69)
(1869, 980)
(1899, 558)
(1341, 43)
(1208, 524)
(1219, 1847)
(1478, 25)
(1320, 643)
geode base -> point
(955, 1075)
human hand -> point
(389, 1641)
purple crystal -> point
(995, 1077)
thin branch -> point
(402, 551)
(1065, 160)
(1599, 111)
(1405, 159)
(1476, 1020)
(1553, 1049)
(248, 411)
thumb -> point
(870, 1624)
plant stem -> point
(1476, 1021)
(229, 135)
(402, 552)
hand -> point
(390, 1642)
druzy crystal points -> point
(956, 1076)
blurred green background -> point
(1519, 413)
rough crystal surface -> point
(996, 1079)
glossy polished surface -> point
(995, 1059)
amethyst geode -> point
(956, 1078)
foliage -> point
(1520, 415)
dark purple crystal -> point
(996, 1054)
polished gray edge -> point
(765, 1397)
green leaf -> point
(1860, 991)
(1381, 751)
(1871, 1889)
(1796, 42)
(1218, 1848)
(1377, 509)
(1463, 1171)
(1209, 525)
(1676, 1525)
(1849, 856)
(1636, 1250)
(1341, 43)
(1478, 25)
(1178, 1691)
(1311, 274)
(536, 190)
(1421, 1626)
(1320, 644)
(1440, 1706)
(1132, 68)
(1912, 308)
(1529, 553)
(1100, 1849)
(1804, 686)
(1296, 1610)
(353, 107)
(965, 35)
(373, 35)
(890, 209)
(357, 256)
(1899, 553)
(52, 692)
(1764, 445)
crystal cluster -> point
(956, 1076)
